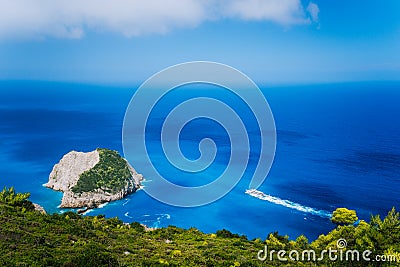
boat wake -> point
(126, 202)
(288, 203)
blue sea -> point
(338, 145)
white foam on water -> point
(127, 215)
(102, 205)
(126, 202)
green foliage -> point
(344, 216)
(10, 197)
(386, 232)
(110, 174)
(138, 227)
(30, 238)
(226, 234)
(302, 242)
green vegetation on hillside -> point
(30, 238)
(19, 200)
(110, 174)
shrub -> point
(343, 216)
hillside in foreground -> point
(32, 238)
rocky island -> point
(93, 178)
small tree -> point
(9, 197)
(226, 234)
(343, 216)
(386, 232)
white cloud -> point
(284, 12)
(71, 18)
(313, 10)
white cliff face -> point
(66, 173)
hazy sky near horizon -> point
(272, 41)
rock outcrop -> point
(39, 208)
(98, 185)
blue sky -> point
(272, 41)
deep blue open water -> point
(338, 146)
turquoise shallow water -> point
(338, 146)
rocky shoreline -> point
(39, 208)
(66, 173)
